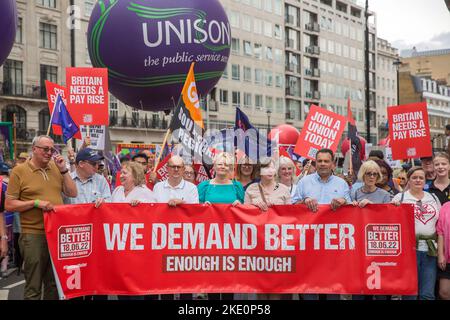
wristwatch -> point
(4, 237)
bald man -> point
(175, 190)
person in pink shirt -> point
(443, 232)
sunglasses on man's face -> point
(47, 149)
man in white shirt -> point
(175, 190)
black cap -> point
(88, 154)
(140, 155)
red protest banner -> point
(88, 95)
(161, 171)
(409, 131)
(53, 90)
(200, 173)
(322, 129)
(221, 248)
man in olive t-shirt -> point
(34, 187)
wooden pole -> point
(14, 137)
(350, 163)
(51, 118)
(162, 150)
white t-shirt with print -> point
(424, 220)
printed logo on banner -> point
(74, 241)
(87, 118)
(383, 240)
(411, 152)
(73, 281)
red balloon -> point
(287, 134)
(346, 144)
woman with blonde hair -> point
(222, 189)
(370, 175)
(286, 174)
(132, 189)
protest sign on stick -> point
(409, 131)
(322, 129)
(87, 100)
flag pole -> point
(162, 150)
(51, 116)
(164, 141)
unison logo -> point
(185, 31)
(213, 31)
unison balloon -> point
(8, 26)
(148, 46)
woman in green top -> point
(222, 189)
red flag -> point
(350, 114)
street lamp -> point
(397, 63)
(268, 119)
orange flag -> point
(190, 97)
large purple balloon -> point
(8, 26)
(148, 46)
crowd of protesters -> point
(44, 179)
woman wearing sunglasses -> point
(369, 193)
(426, 215)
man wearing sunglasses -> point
(34, 187)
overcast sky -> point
(424, 24)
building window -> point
(235, 72)
(280, 105)
(277, 32)
(12, 77)
(113, 111)
(49, 73)
(278, 7)
(267, 28)
(47, 3)
(247, 48)
(135, 117)
(19, 31)
(269, 78)
(257, 26)
(279, 80)
(258, 101)
(47, 33)
(225, 72)
(278, 56)
(258, 76)
(234, 19)
(88, 7)
(247, 100)
(236, 99)
(223, 96)
(257, 50)
(247, 74)
(246, 23)
(235, 46)
(44, 119)
(269, 103)
(21, 117)
(269, 55)
(268, 5)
